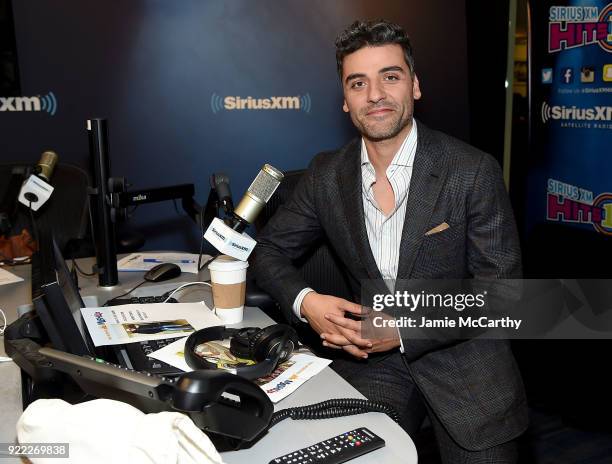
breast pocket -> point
(443, 253)
(450, 238)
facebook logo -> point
(567, 75)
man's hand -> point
(349, 337)
(316, 305)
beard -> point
(384, 129)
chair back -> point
(320, 267)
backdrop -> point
(571, 116)
(195, 87)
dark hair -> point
(372, 33)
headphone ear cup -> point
(266, 340)
(255, 343)
(240, 344)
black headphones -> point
(268, 346)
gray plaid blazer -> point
(473, 386)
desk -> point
(285, 437)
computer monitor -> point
(43, 271)
(69, 288)
(63, 305)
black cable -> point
(201, 240)
(337, 407)
(76, 266)
(93, 239)
(126, 293)
(34, 228)
(207, 262)
(176, 208)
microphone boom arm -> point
(183, 192)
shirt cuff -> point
(297, 304)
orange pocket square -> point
(437, 229)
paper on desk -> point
(7, 277)
(131, 323)
(285, 379)
(135, 262)
(290, 375)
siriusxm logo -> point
(46, 103)
(573, 113)
(218, 234)
(240, 247)
(229, 103)
(99, 319)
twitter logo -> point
(547, 75)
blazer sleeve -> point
(287, 236)
(493, 249)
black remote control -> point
(336, 450)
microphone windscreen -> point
(221, 183)
(47, 163)
(258, 194)
(266, 183)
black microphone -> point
(220, 182)
(258, 194)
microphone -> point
(46, 165)
(220, 182)
(258, 194)
(232, 240)
(36, 190)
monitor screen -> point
(69, 290)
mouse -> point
(161, 272)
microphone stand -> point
(109, 198)
(8, 205)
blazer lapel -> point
(427, 179)
(349, 182)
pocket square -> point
(437, 229)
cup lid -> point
(227, 263)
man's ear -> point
(416, 90)
(345, 107)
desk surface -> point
(285, 437)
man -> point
(404, 202)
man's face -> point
(379, 91)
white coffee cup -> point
(228, 279)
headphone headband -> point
(281, 349)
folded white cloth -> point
(107, 431)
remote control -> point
(336, 450)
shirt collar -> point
(405, 154)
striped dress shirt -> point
(384, 232)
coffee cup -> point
(228, 279)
